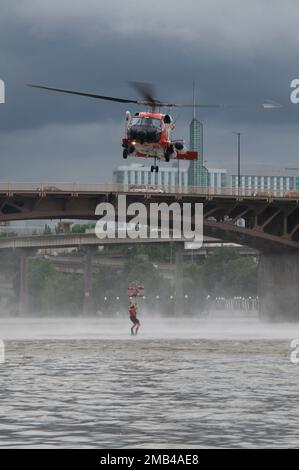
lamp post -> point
(238, 134)
(178, 174)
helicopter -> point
(148, 134)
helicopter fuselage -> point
(148, 134)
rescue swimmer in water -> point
(134, 290)
(133, 318)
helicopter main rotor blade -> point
(266, 105)
(90, 95)
(146, 90)
(177, 105)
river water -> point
(221, 382)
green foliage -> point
(112, 283)
(223, 273)
(9, 264)
(7, 234)
(51, 290)
(47, 230)
(159, 252)
(81, 228)
(63, 293)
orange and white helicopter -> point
(148, 134)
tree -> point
(47, 230)
(223, 273)
(51, 291)
(81, 228)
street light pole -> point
(238, 134)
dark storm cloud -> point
(236, 55)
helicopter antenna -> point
(194, 99)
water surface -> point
(222, 382)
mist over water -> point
(217, 326)
(221, 381)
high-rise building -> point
(197, 173)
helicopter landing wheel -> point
(168, 152)
(125, 153)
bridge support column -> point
(278, 285)
(179, 278)
(88, 302)
(23, 289)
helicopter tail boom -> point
(188, 155)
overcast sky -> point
(237, 52)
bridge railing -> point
(42, 188)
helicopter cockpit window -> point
(145, 121)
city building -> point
(197, 173)
(265, 182)
(217, 178)
(137, 173)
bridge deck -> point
(271, 218)
(74, 188)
